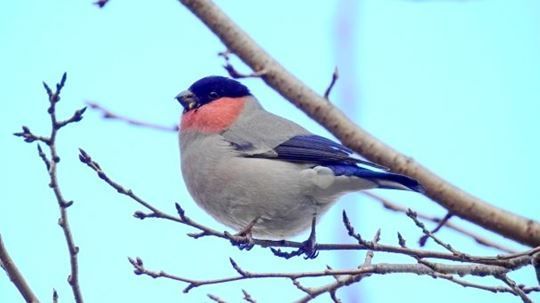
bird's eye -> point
(213, 95)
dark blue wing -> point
(319, 150)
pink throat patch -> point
(213, 117)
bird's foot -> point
(308, 247)
(244, 238)
(241, 241)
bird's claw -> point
(244, 238)
(308, 247)
(242, 241)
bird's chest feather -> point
(203, 155)
(213, 117)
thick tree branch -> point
(15, 275)
(455, 200)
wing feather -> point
(315, 149)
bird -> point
(248, 167)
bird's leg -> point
(308, 247)
(243, 239)
(246, 231)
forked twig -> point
(51, 163)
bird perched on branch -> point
(248, 167)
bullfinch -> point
(243, 164)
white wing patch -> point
(320, 176)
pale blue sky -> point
(454, 84)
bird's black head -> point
(211, 88)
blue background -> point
(454, 84)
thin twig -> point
(536, 264)
(342, 280)
(349, 276)
(107, 114)
(15, 275)
(370, 269)
(476, 237)
(233, 72)
(247, 297)
(335, 76)
(515, 288)
(423, 240)
(412, 214)
(494, 289)
(216, 298)
(51, 162)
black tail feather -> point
(397, 181)
(382, 179)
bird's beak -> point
(188, 100)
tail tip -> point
(418, 188)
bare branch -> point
(335, 76)
(363, 271)
(247, 297)
(51, 163)
(15, 275)
(233, 72)
(536, 264)
(411, 214)
(476, 237)
(509, 261)
(455, 200)
(29, 137)
(107, 114)
(215, 298)
(517, 290)
(401, 240)
(342, 281)
(334, 298)
(423, 240)
(464, 283)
